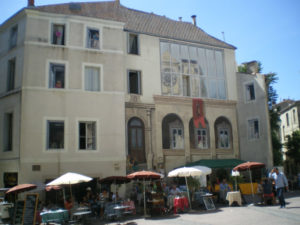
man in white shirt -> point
(280, 183)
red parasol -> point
(144, 175)
(52, 187)
(249, 166)
(20, 188)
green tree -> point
(293, 146)
(271, 79)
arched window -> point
(223, 133)
(199, 137)
(172, 132)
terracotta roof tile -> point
(138, 21)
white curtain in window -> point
(92, 79)
(52, 76)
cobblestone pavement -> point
(244, 215)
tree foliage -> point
(270, 80)
(293, 146)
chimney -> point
(180, 18)
(194, 19)
(30, 3)
(118, 2)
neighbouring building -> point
(289, 114)
(253, 116)
(101, 89)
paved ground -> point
(245, 215)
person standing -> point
(280, 183)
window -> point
(58, 34)
(8, 132)
(250, 93)
(186, 85)
(294, 116)
(134, 82)
(201, 138)
(57, 76)
(176, 138)
(223, 133)
(287, 119)
(253, 129)
(87, 135)
(11, 72)
(172, 132)
(92, 38)
(92, 78)
(192, 71)
(13, 37)
(133, 44)
(55, 134)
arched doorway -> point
(136, 140)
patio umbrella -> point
(144, 175)
(20, 188)
(69, 179)
(114, 180)
(249, 166)
(189, 171)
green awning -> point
(217, 163)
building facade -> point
(253, 117)
(289, 120)
(100, 89)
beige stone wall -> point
(256, 149)
(182, 107)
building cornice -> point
(171, 100)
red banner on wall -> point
(198, 112)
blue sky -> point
(264, 30)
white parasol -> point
(69, 179)
(189, 171)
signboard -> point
(18, 213)
(30, 206)
(209, 203)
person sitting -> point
(224, 188)
(69, 205)
(268, 192)
(175, 190)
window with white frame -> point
(133, 44)
(11, 73)
(8, 132)
(223, 133)
(87, 135)
(253, 129)
(58, 34)
(134, 82)
(57, 75)
(13, 36)
(93, 38)
(55, 134)
(201, 138)
(250, 92)
(177, 138)
(192, 71)
(92, 78)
